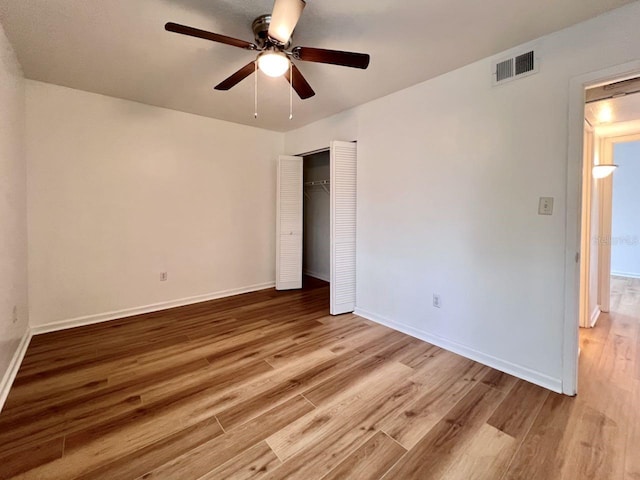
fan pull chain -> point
(290, 90)
(255, 100)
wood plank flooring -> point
(267, 385)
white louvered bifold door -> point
(289, 223)
(343, 227)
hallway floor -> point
(606, 422)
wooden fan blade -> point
(237, 77)
(284, 19)
(300, 84)
(334, 57)
(214, 37)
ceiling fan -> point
(273, 35)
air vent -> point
(514, 67)
(524, 63)
(504, 70)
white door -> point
(289, 223)
(343, 227)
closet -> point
(316, 245)
(306, 185)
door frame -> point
(586, 220)
(573, 214)
(604, 230)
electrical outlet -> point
(163, 276)
(436, 301)
(14, 318)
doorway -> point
(610, 231)
(290, 193)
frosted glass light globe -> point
(273, 64)
(603, 171)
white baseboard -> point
(14, 366)
(317, 275)
(595, 315)
(541, 379)
(625, 274)
(129, 312)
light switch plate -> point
(545, 206)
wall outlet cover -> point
(436, 301)
(545, 206)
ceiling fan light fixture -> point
(273, 63)
(272, 33)
(603, 171)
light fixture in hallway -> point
(603, 171)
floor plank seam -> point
(524, 437)
(493, 387)
(455, 404)
(221, 427)
(282, 462)
(312, 404)
(400, 458)
(394, 440)
(350, 452)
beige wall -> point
(13, 227)
(120, 192)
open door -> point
(289, 223)
(343, 156)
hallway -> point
(607, 427)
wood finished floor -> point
(268, 385)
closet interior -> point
(316, 216)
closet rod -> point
(316, 183)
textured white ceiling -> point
(613, 110)
(120, 48)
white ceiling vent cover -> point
(515, 67)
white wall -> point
(317, 221)
(449, 175)
(119, 192)
(318, 135)
(625, 227)
(13, 196)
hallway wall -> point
(625, 228)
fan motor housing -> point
(260, 27)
